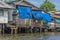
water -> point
(32, 36)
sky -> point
(39, 2)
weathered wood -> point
(14, 29)
(0, 31)
(3, 28)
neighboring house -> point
(12, 13)
(25, 3)
(52, 24)
(4, 12)
(56, 18)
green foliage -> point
(47, 6)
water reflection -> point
(31, 36)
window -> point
(1, 13)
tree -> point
(47, 6)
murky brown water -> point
(32, 36)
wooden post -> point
(0, 31)
(16, 26)
(30, 22)
(30, 26)
(16, 31)
(25, 25)
(0, 28)
(25, 22)
(41, 26)
(11, 30)
(3, 28)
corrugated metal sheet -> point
(26, 3)
(5, 5)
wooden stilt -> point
(30, 26)
(11, 30)
(30, 22)
(41, 26)
(15, 30)
(31, 29)
(0, 31)
(25, 22)
(3, 28)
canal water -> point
(32, 36)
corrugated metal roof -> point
(5, 5)
(20, 3)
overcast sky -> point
(39, 2)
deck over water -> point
(31, 36)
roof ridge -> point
(5, 5)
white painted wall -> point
(7, 16)
(51, 25)
(4, 19)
